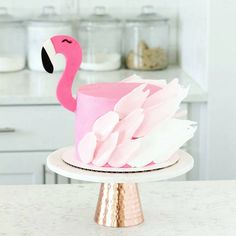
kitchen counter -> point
(37, 88)
(170, 208)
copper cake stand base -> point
(118, 202)
(119, 205)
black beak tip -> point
(47, 64)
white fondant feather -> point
(163, 142)
(154, 116)
(181, 114)
(171, 91)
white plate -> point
(69, 157)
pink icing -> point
(94, 100)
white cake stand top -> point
(57, 165)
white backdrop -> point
(222, 89)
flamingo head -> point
(62, 44)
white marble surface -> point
(29, 88)
(170, 208)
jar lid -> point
(147, 15)
(5, 17)
(48, 17)
(99, 17)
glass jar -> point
(100, 39)
(39, 30)
(146, 41)
(12, 51)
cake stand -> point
(118, 202)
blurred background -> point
(193, 40)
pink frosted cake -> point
(127, 124)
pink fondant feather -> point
(105, 149)
(123, 153)
(104, 125)
(86, 147)
(129, 125)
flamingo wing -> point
(140, 130)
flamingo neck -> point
(64, 88)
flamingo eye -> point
(66, 40)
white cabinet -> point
(35, 128)
(27, 135)
(27, 168)
(22, 167)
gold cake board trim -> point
(118, 172)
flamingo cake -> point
(126, 124)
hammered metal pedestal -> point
(118, 205)
(118, 202)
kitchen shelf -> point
(38, 88)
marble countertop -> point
(38, 88)
(170, 208)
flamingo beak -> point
(47, 55)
